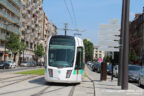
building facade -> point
(9, 22)
(98, 54)
(35, 26)
(136, 36)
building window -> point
(31, 45)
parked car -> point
(28, 64)
(4, 64)
(109, 69)
(12, 64)
(115, 71)
(141, 77)
(96, 66)
(133, 72)
(89, 63)
(99, 68)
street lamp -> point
(7, 24)
(125, 42)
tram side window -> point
(79, 59)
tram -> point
(64, 61)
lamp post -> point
(125, 31)
(7, 24)
(121, 45)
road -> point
(31, 85)
(12, 84)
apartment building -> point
(136, 36)
(49, 29)
(98, 54)
(9, 22)
(35, 26)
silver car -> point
(28, 64)
(133, 72)
(141, 77)
(12, 64)
(115, 70)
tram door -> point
(79, 63)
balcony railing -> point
(10, 28)
(17, 3)
(10, 7)
(14, 20)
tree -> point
(132, 56)
(88, 50)
(13, 44)
(39, 51)
(21, 49)
(107, 59)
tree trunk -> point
(23, 55)
(36, 61)
(19, 59)
(14, 57)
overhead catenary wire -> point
(68, 10)
(73, 11)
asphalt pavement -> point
(110, 88)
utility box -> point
(103, 71)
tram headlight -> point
(68, 73)
(50, 72)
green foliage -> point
(88, 50)
(107, 59)
(33, 72)
(13, 43)
(39, 51)
(95, 60)
(22, 46)
(132, 56)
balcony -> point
(33, 26)
(10, 7)
(23, 2)
(2, 47)
(2, 37)
(29, 15)
(24, 11)
(14, 20)
(22, 28)
(17, 3)
(10, 28)
(35, 34)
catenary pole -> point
(121, 45)
(66, 29)
(124, 82)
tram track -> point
(17, 81)
(41, 91)
(93, 85)
(1, 79)
(72, 91)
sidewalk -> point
(110, 88)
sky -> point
(87, 14)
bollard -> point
(103, 71)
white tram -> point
(64, 62)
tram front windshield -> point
(61, 52)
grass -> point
(85, 75)
(33, 72)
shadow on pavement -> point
(42, 81)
